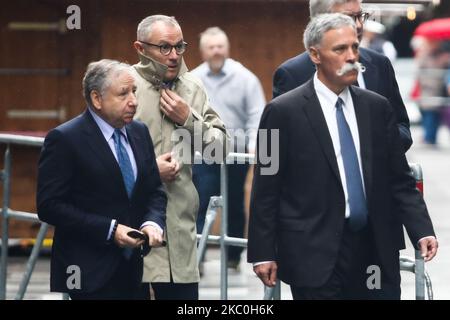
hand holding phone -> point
(141, 236)
(137, 235)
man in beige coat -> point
(174, 105)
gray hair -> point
(317, 7)
(144, 29)
(98, 76)
(317, 27)
(210, 32)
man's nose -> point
(173, 55)
(132, 102)
(352, 55)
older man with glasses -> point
(173, 102)
(379, 76)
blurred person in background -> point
(433, 60)
(373, 38)
(237, 96)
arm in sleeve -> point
(255, 102)
(409, 202)
(55, 177)
(266, 189)
(396, 101)
(204, 121)
(157, 198)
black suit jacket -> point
(297, 215)
(379, 77)
(81, 189)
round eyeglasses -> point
(166, 48)
(360, 16)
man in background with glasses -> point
(378, 77)
(172, 101)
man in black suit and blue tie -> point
(380, 76)
(97, 182)
(334, 210)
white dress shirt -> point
(328, 99)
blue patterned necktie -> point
(356, 198)
(124, 162)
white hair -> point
(317, 7)
(211, 32)
(144, 29)
(317, 27)
(99, 74)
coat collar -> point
(371, 74)
(153, 71)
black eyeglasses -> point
(166, 48)
(360, 16)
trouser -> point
(121, 286)
(349, 279)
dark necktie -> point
(124, 162)
(356, 198)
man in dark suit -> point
(334, 210)
(97, 181)
(378, 77)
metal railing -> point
(8, 213)
(417, 266)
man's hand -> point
(155, 237)
(267, 272)
(169, 168)
(173, 106)
(123, 240)
(428, 247)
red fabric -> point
(415, 93)
(437, 29)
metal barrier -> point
(417, 266)
(422, 278)
(8, 213)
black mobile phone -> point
(142, 236)
(137, 235)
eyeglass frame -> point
(362, 16)
(160, 46)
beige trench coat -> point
(179, 257)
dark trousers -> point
(173, 291)
(348, 281)
(121, 286)
(206, 179)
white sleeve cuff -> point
(153, 224)
(262, 262)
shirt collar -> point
(328, 95)
(106, 129)
(222, 72)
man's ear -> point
(96, 99)
(314, 55)
(138, 46)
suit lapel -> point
(317, 121)
(362, 113)
(371, 73)
(99, 146)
